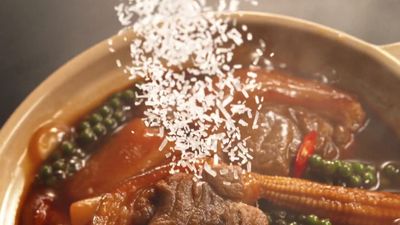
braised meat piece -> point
(332, 138)
(274, 142)
(184, 201)
(132, 201)
(335, 105)
(129, 152)
(292, 108)
(178, 200)
(280, 132)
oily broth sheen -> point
(57, 128)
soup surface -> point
(319, 156)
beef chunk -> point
(333, 104)
(179, 200)
(132, 200)
(184, 201)
(274, 142)
(228, 182)
(292, 107)
(240, 213)
(332, 138)
(143, 206)
(280, 132)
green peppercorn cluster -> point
(338, 172)
(64, 162)
(282, 217)
(71, 154)
(106, 119)
(391, 172)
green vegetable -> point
(74, 164)
(325, 222)
(355, 181)
(369, 179)
(128, 96)
(111, 123)
(370, 168)
(115, 103)
(79, 153)
(120, 116)
(342, 173)
(95, 118)
(84, 125)
(60, 174)
(46, 171)
(312, 220)
(315, 161)
(87, 136)
(345, 170)
(358, 168)
(106, 111)
(329, 167)
(69, 157)
(59, 164)
(338, 163)
(67, 148)
(99, 129)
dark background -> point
(38, 36)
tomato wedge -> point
(306, 150)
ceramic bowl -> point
(308, 49)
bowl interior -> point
(306, 49)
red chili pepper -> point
(306, 150)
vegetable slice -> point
(306, 150)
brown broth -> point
(377, 143)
